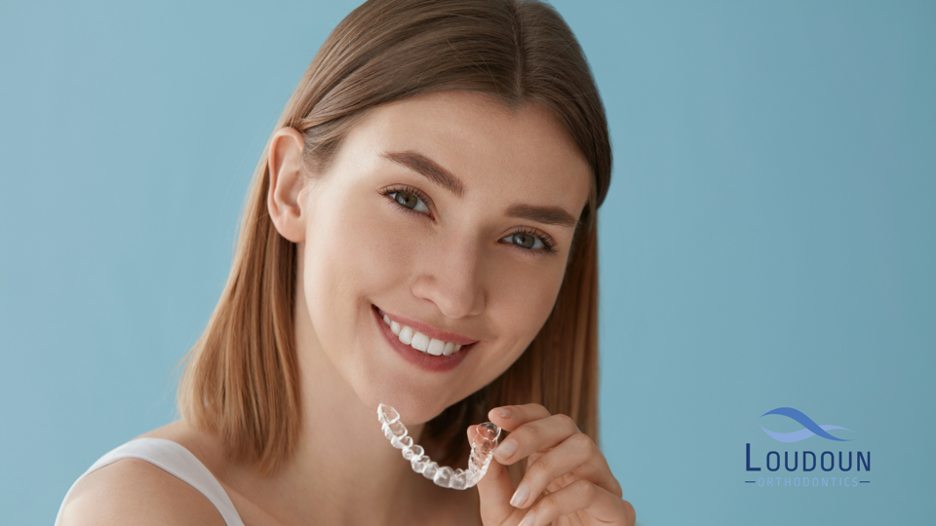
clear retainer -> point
(482, 448)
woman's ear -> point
(286, 183)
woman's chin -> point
(414, 408)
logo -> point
(810, 428)
(829, 466)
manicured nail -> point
(502, 412)
(520, 496)
(508, 447)
(528, 520)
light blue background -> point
(769, 239)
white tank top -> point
(176, 460)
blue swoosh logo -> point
(810, 428)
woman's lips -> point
(424, 361)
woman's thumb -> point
(495, 490)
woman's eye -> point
(409, 200)
(525, 241)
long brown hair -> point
(240, 380)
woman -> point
(421, 232)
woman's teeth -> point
(420, 341)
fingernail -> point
(528, 520)
(520, 496)
(502, 412)
(508, 447)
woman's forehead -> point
(481, 143)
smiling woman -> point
(421, 232)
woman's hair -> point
(241, 380)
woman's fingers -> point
(531, 434)
(577, 455)
(509, 417)
(581, 497)
(566, 477)
(554, 446)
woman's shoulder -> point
(135, 491)
(138, 491)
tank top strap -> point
(176, 460)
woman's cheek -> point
(348, 255)
(382, 252)
(523, 297)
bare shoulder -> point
(135, 491)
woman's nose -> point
(451, 276)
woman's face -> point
(452, 216)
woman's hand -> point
(567, 479)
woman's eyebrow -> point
(429, 168)
(419, 163)
(548, 215)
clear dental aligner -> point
(482, 448)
